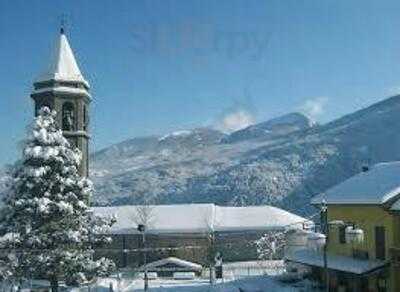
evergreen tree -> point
(46, 210)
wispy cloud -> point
(234, 119)
(314, 108)
(391, 91)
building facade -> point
(64, 89)
(394, 250)
(363, 240)
(378, 227)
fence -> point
(252, 268)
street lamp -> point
(325, 230)
(142, 229)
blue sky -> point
(158, 66)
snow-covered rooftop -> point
(162, 218)
(186, 265)
(63, 65)
(254, 218)
(395, 206)
(335, 262)
(376, 186)
(201, 218)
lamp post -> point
(142, 229)
(324, 221)
(352, 234)
(211, 254)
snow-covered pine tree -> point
(47, 210)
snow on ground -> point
(249, 284)
(254, 276)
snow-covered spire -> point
(63, 65)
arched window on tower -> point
(68, 117)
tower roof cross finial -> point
(63, 22)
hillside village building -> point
(368, 202)
(193, 231)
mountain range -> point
(283, 162)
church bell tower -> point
(64, 89)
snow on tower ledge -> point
(63, 66)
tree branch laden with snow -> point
(270, 245)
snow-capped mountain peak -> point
(176, 134)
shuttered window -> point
(380, 242)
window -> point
(68, 117)
(380, 245)
(342, 234)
